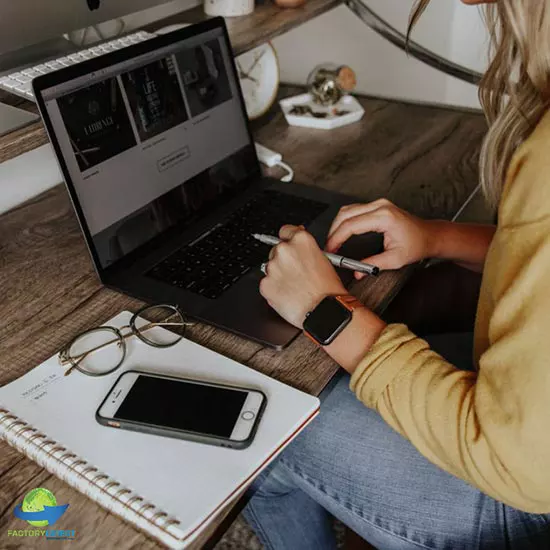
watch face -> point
(327, 320)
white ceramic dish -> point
(347, 103)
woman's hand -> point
(407, 239)
(298, 276)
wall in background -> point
(152, 14)
(449, 28)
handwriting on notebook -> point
(40, 389)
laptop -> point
(156, 151)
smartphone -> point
(195, 410)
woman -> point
(435, 452)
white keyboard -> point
(19, 83)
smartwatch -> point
(333, 314)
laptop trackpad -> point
(245, 310)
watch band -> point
(311, 338)
(351, 303)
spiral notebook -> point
(168, 488)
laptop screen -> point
(153, 142)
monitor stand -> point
(12, 118)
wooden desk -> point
(422, 158)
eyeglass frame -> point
(65, 359)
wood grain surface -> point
(423, 158)
(25, 139)
(265, 23)
(246, 32)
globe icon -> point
(35, 501)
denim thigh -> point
(374, 480)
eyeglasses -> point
(102, 350)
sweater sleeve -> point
(490, 427)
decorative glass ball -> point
(328, 82)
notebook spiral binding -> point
(49, 454)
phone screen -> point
(182, 405)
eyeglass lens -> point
(102, 350)
(159, 326)
(98, 351)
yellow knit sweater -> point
(491, 427)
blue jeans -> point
(350, 464)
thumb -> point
(389, 259)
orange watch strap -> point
(311, 338)
(350, 302)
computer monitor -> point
(32, 31)
(26, 22)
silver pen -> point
(335, 259)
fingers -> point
(373, 221)
(288, 231)
(389, 259)
(285, 234)
(352, 210)
(265, 288)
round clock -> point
(259, 77)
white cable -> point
(434, 261)
(468, 201)
(271, 158)
(267, 156)
(290, 172)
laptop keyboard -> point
(214, 264)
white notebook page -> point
(184, 479)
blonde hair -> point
(514, 91)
